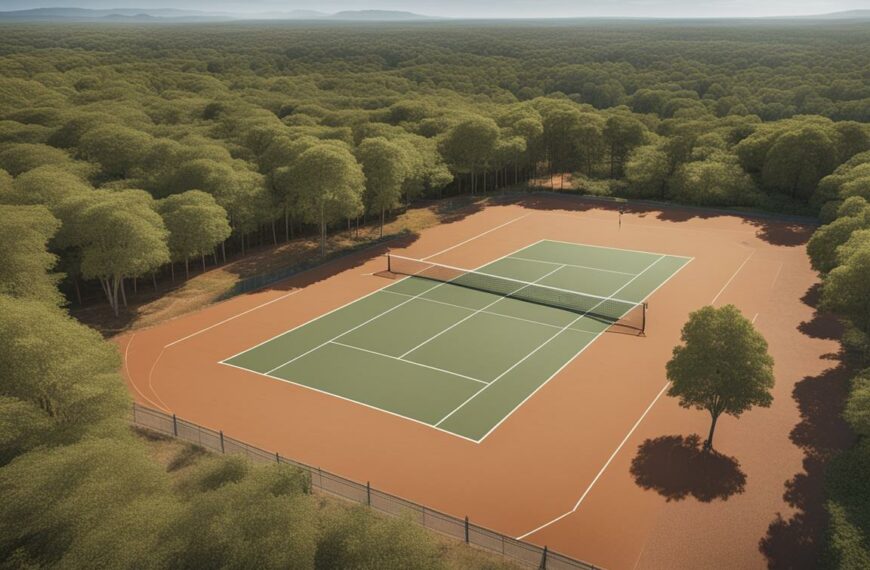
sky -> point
(487, 8)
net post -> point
(368, 493)
(544, 559)
(389, 263)
(222, 442)
(643, 322)
(466, 529)
(277, 458)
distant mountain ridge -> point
(174, 15)
(157, 15)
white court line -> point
(391, 309)
(130, 377)
(452, 247)
(233, 317)
(656, 399)
(349, 303)
(546, 342)
(401, 359)
(579, 352)
(733, 275)
(615, 248)
(346, 399)
(570, 265)
(465, 318)
(487, 312)
(604, 468)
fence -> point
(518, 551)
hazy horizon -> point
(482, 8)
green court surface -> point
(455, 357)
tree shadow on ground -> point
(823, 325)
(795, 541)
(676, 467)
(775, 231)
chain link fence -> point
(523, 553)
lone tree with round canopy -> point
(722, 366)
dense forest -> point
(128, 152)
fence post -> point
(174, 425)
(466, 529)
(544, 559)
(222, 442)
(368, 493)
(277, 458)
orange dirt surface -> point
(598, 464)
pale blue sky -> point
(488, 8)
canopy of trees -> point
(212, 136)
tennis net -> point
(612, 311)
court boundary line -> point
(617, 248)
(546, 342)
(401, 359)
(733, 276)
(452, 247)
(346, 399)
(379, 315)
(493, 313)
(378, 290)
(436, 426)
(579, 352)
(478, 311)
(570, 265)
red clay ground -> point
(599, 431)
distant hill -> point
(380, 16)
(846, 15)
(170, 15)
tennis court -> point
(458, 349)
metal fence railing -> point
(518, 551)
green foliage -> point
(722, 366)
(844, 290)
(59, 371)
(857, 411)
(25, 270)
(822, 247)
(196, 224)
(386, 167)
(331, 184)
(358, 539)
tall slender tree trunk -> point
(322, 232)
(78, 289)
(382, 222)
(154, 280)
(708, 445)
(286, 224)
(274, 240)
(203, 263)
(186, 268)
(224, 250)
(123, 292)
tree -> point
(722, 366)
(119, 235)
(331, 184)
(622, 133)
(647, 171)
(854, 214)
(798, 160)
(196, 225)
(59, 378)
(385, 167)
(844, 290)
(469, 145)
(25, 269)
